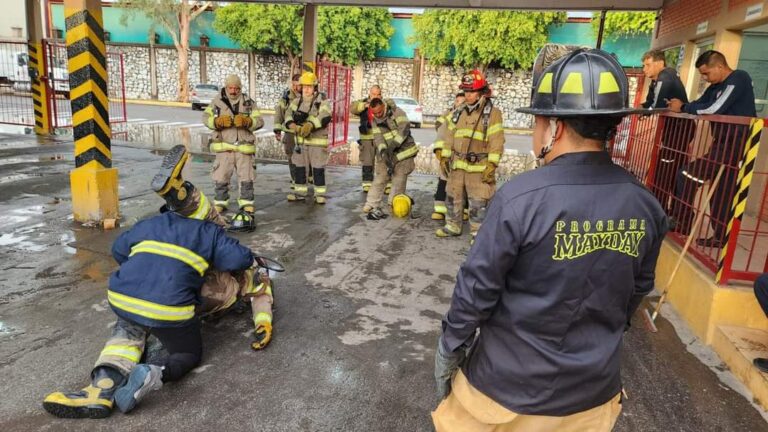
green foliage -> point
(350, 34)
(619, 24)
(345, 34)
(262, 27)
(477, 38)
(174, 15)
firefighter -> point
(563, 259)
(181, 241)
(395, 153)
(474, 143)
(367, 149)
(281, 134)
(307, 117)
(233, 116)
(441, 126)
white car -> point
(412, 109)
(202, 94)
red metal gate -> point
(16, 102)
(336, 83)
(60, 110)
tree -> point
(176, 17)
(345, 34)
(619, 24)
(472, 38)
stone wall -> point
(272, 76)
(219, 64)
(168, 72)
(395, 78)
(138, 84)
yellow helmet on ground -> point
(308, 78)
(401, 205)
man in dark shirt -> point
(564, 257)
(730, 93)
(676, 133)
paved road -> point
(357, 315)
(184, 117)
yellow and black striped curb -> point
(88, 88)
(742, 193)
(39, 92)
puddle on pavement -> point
(163, 137)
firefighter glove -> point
(243, 121)
(445, 166)
(305, 130)
(489, 173)
(446, 365)
(222, 122)
(263, 336)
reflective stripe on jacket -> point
(471, 135)
(317, 112)
(163, 261)
(234, 136)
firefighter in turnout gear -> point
(367, 149)
(212, 273)
(474, 143)
(441, 126)
(307, 117)
(282, 134)
(564, 257)
(233, 116)
(395, 153)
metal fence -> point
(16, 99)
(678, 157)
(336, 83)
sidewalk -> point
(357, 317)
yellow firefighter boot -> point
(94, 401)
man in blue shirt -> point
(730, 93)
(677, 132)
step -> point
(737, 347)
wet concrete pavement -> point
(356, 321)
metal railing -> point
(336, 83)
(16, 104)
(678, 157)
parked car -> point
(412, 109)
(14, 71)
(202, 94)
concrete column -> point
(728, 42)
(252, 75)
(357, 81)
(153, 71)
(416, 73)
(309, 40)
(36, 66)
(688, 66)
(203, 64)
(93, 181)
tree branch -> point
(199, 10)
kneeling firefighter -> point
(308, 117)
(212, 273)
(233, 117)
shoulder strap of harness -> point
(487, 113)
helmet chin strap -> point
(548, 148)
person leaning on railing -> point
(677, 133)
(730, 92)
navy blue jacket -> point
(562, 260)
(736, 97)
(665, 87)
(163, 261)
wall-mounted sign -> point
(702, 27)
(754, 11)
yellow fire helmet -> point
(308, 78)
(401, 205)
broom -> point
(651, 317)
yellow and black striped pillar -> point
(743, 182)
(36, 66)
(39, 90)
(94, 181)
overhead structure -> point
(571, 5)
